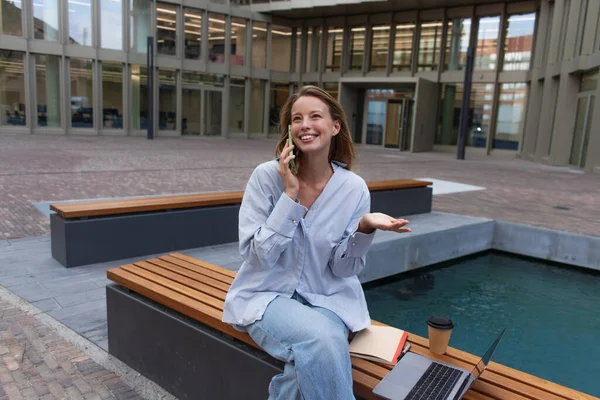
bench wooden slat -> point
(190, 274)
(96, 208)
(178, 273)
(177, 287)
(199, 269)
(192, 283)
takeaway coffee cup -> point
(439, 329)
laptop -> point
(418, 377)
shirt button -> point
(353, 243)
(294, 222)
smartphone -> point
(290, 142)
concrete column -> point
(557, 21)
(592, 158)
(589, 33)
(266, 114)
(134, 104)
(546, 119)
(448, 134)
(566, 108)
(226, 101)
(571, 31)
(533, 119)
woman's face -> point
(312, 126)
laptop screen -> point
(485, 360)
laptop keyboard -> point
(435, 384)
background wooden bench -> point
(197, 290)
(105, 230)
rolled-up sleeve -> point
(266, 229)
(349, 255)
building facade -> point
(79, 67)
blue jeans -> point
(313, 343)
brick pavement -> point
(49, 168)
(37, 363)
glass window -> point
(518, 43)
(45, 19)
(511, 112)
(447, 130)
(167, 100)
(457, 43)
(111, 21)
(380, 39)
(80, 22)
(331, 88)
(112, 95)
(257, 106)
(313, 49)
(236, 104)
(12, 88)
(82, 93)
(335, 44)
(216, 38)
(192, 33)
(589, 80)
(403, 44)
(481, 108)
(139, 97)
(47, 89)
(430, 42)
(487, 43)
(10, 17)
(357, 48)
(139, 21)
(202, 80)
(280, 92)
(281, 48)
(259, 44)
(298, 65)
(190, 110)
(238, 41)
(166, 29)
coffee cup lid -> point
(442, 323)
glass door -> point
(581, 133)
(190, 112)
(393, 122)
(212, 111)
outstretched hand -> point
(369, 222)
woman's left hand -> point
(369, 222)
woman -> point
(303, 239)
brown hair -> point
(342, 147)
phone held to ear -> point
(290, 142)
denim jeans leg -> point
(313, 346)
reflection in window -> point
(82, 93)
(589, 80)
(12, 88)
(139, 22)
(457, 43)
(357, 48)
(236, 104)
(45, 19)
(481, 108)
(430, 42)
(139, 97)
(192, 21)
(281, 48)
(80, 22)
(380, 39)
(167, 100)
(403, 44)
(335, 42)
(238, 41)
(216, 38)
(257, 106)
(331, 88)
(259, 44)
(298, 65)
(511, 112)
(487, 43)
(313, 49)
(375, 121)
(447, 129)
(519, 42)
(111, 21)
(10, 17)
(112, 95)
(279, 94)
(47, 90)
(166, 29)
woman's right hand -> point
(290, 181)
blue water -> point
(551, 313)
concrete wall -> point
(424, 120)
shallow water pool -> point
(552, 313)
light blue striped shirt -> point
(318, 256)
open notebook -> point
(379, 343)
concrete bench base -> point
(189, 360)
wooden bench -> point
(197, 289)
(106, 230)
